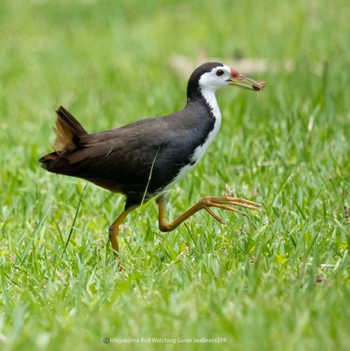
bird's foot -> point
(228, 203)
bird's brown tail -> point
(69, 133)
(68, 130)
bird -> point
(144, 159)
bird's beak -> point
(243, 82)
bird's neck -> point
(210, 99)
(211, 123)
(206, 97)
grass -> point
(277, 280)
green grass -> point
(277, 280)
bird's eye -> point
(219, 73)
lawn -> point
(275, 280)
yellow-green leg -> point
(223, 202)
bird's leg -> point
(223, 202)
(114, 230)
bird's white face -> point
(219, 76)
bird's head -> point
(212, 75)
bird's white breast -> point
(201, 149)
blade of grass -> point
(74, 220)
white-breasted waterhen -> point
(144, 159)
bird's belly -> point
(183, 171)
